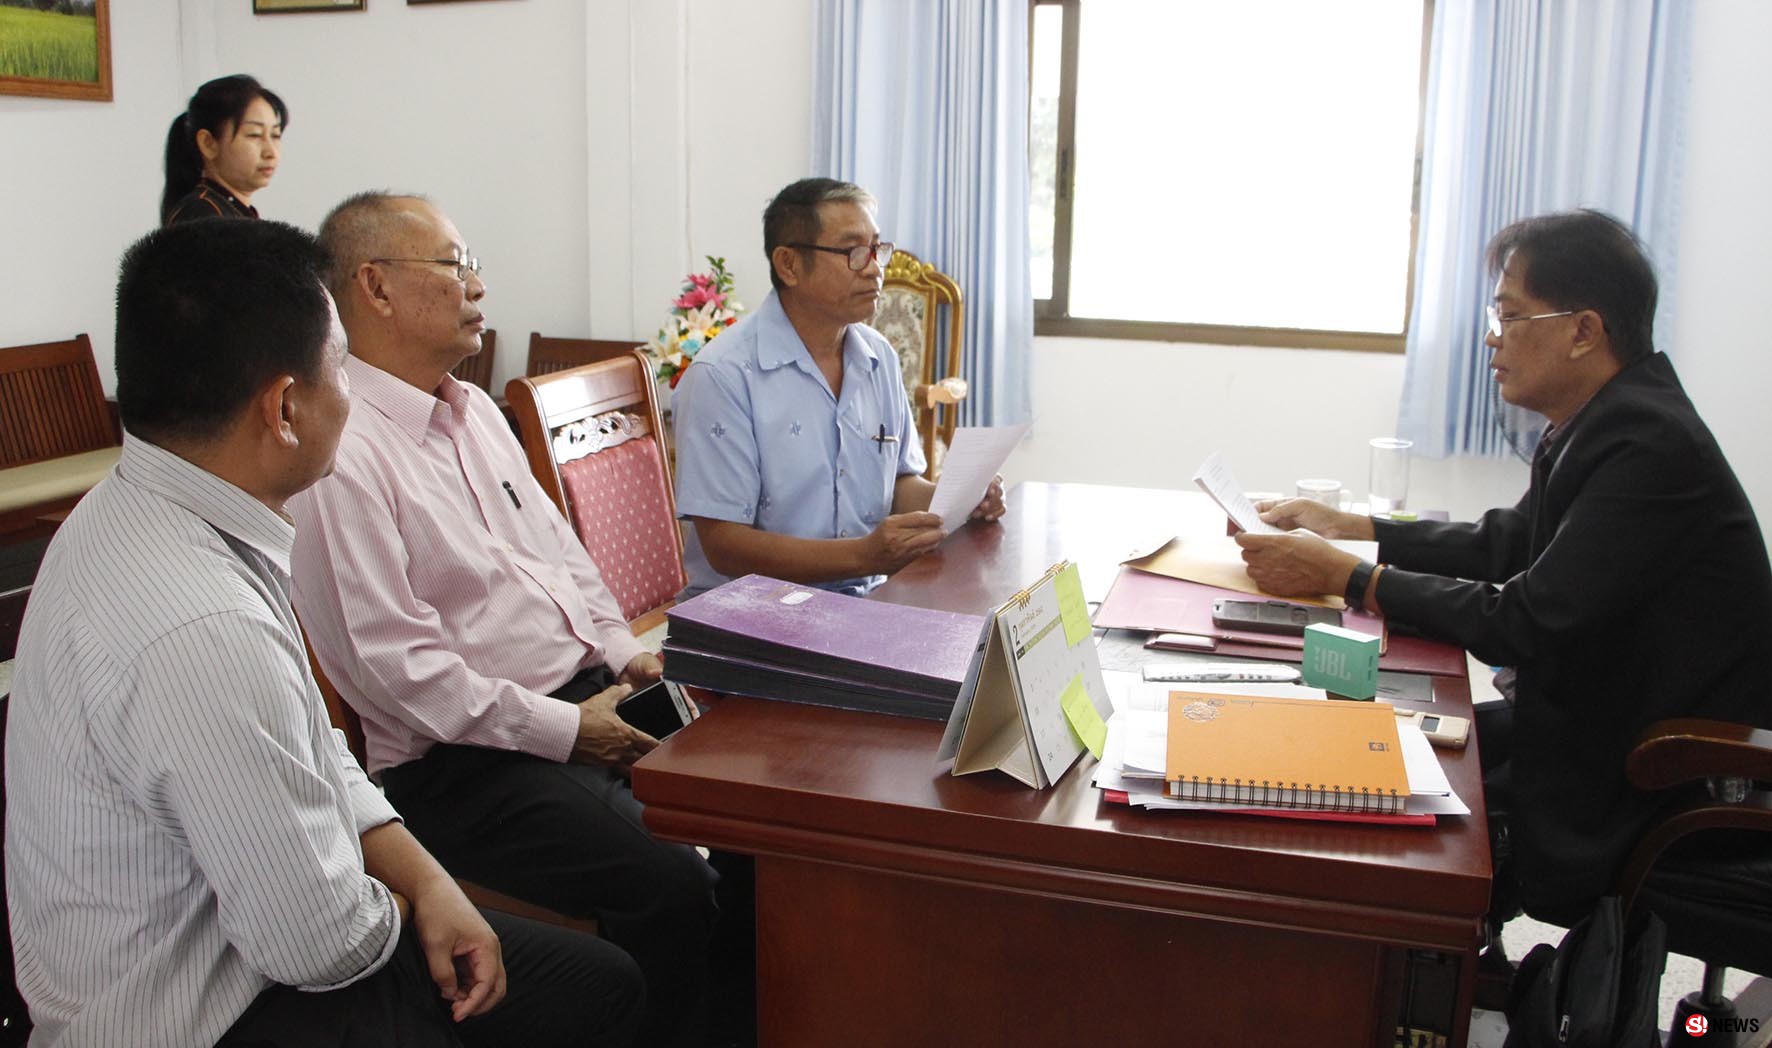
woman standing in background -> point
(221, 150)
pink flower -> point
(699, 297)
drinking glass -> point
(1390, 474)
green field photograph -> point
(55, 48)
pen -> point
(883, 439)
(512, 492)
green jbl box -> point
(1341, 661)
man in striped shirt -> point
(453, 608)
(192, 856)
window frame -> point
(1052, 317)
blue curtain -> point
(1532, 106)
(925, 104)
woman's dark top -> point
(209, 200)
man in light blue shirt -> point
(797, 455)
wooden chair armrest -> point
(1753, 814)
(947, 391)
(1672, 752)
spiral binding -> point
(1309, 796)
(1020, 600)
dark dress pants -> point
(1494, 723)
(569, 837)
(562, 988)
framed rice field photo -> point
(278, 7)
(56, 48)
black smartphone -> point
(1271, 616)
(658, 709)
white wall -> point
(708, 112)
(478, 106)
(1720, 342)
(1147, 413)
(81, 181)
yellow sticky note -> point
(1082, 716)
(1071, 606)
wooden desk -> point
(898, 905)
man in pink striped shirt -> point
(458, 614)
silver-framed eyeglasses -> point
(859, 255)
(463, 266)
(1496, 319)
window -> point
(1226, 172)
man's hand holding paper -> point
(1296, 563)
(1300, 563)
(1311, 515)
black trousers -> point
(563, 988)
(1494, 725)
(569, 837)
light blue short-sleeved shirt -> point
(761, 440)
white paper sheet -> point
(973, 461)
(1422, 763)
(1216, 479)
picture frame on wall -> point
(58, 53)
(290, 7)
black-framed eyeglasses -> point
(1496, 319)
(859, 255)
(462, 266)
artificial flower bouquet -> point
(704, 308)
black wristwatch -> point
(1357, 583)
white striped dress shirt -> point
(443, 592)
(182, 823)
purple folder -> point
(757, 617)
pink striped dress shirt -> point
(443, 592)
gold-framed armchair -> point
(909, 315)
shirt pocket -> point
(867, 467)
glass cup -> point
(1390, 474)
(1321, 489)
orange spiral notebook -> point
(1317, 755)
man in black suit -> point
(1629, 585)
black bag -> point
(1599, 988)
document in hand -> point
(973, 461)
(1034, 698)
(1285, 753)
(1215, 478)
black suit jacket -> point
(1630, 584)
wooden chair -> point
(908, 315)
(57, 435)
(477, 369)
(594, 440)
(548, 355)
(1715, 893)
(346, 720)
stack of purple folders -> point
(778, 640)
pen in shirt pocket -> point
(512, 492)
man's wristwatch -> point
(1357, 583)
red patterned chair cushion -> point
(622, 512)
